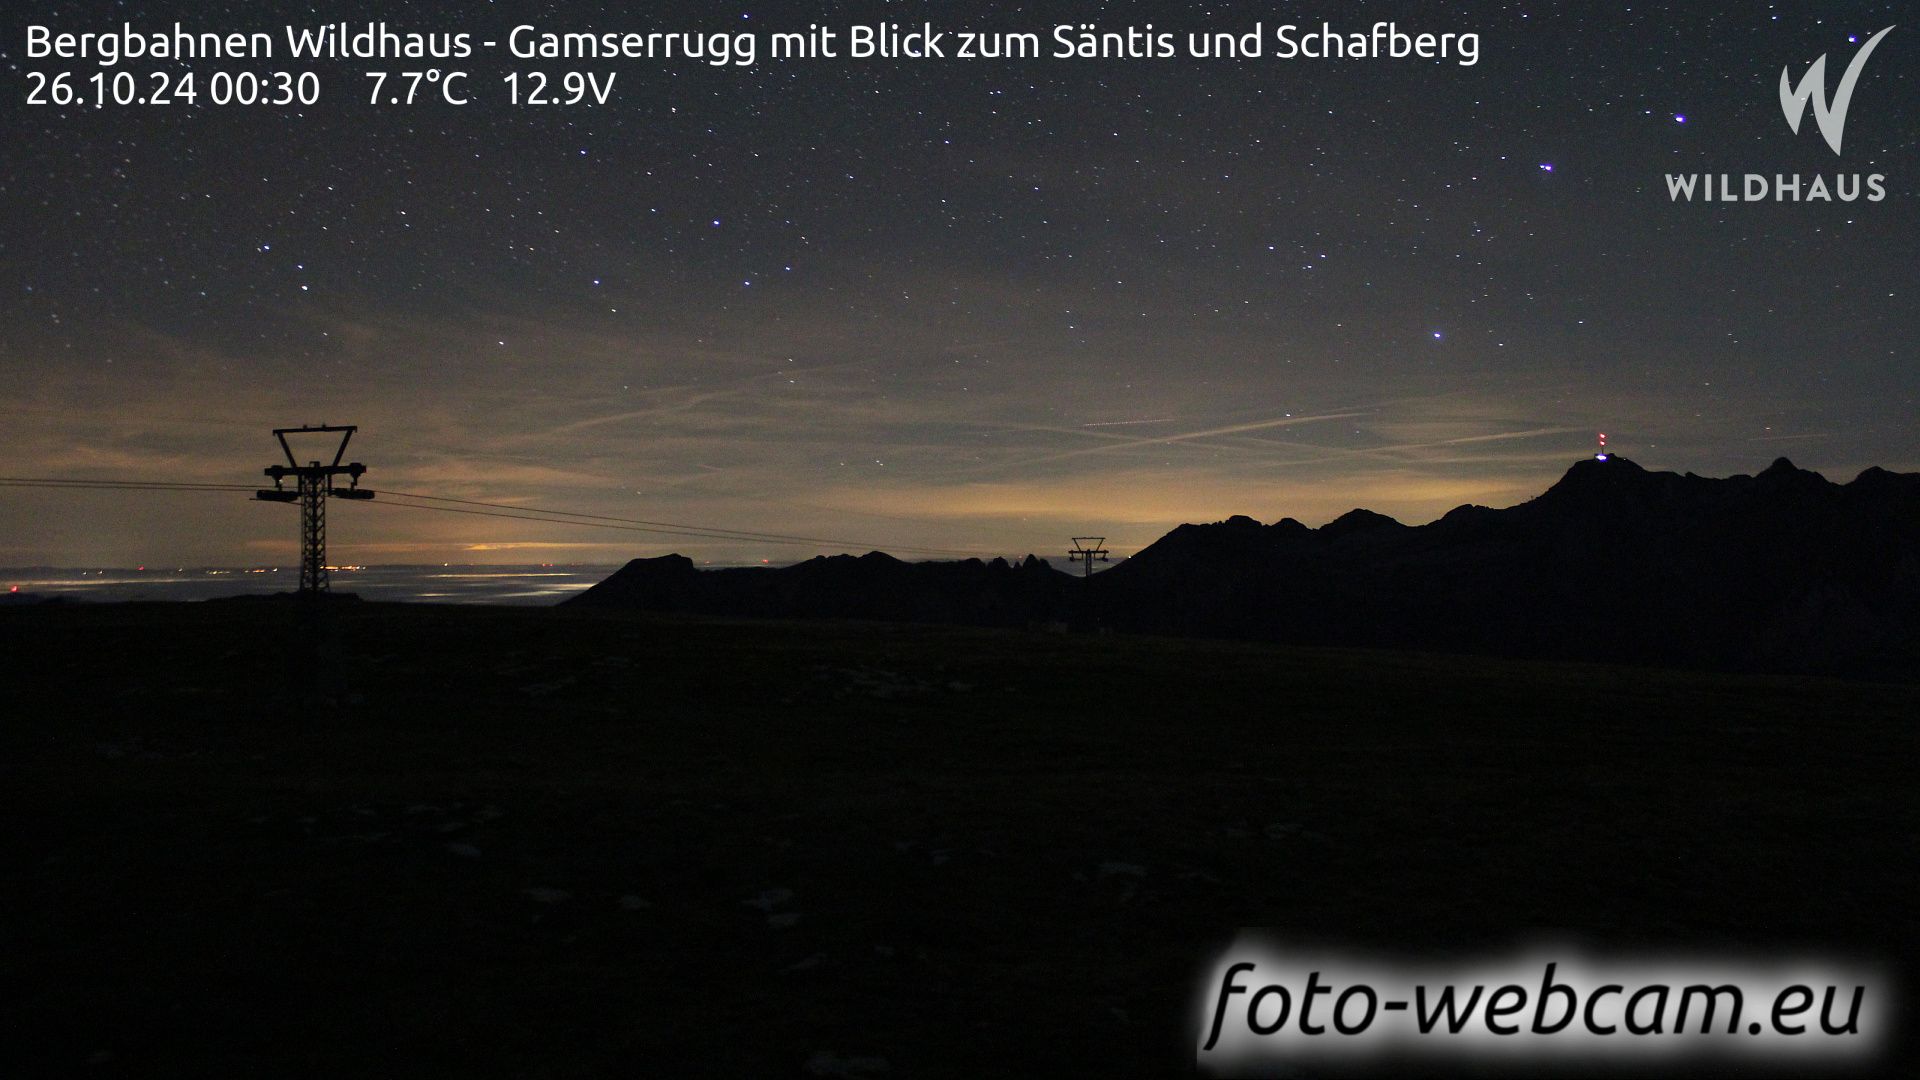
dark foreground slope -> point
(1783, 571)
(567, 843)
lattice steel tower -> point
(314, 486)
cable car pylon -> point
(1087, 550)
(314, 485)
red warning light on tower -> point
(1602, 455)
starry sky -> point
(979, 306)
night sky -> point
(980, 306)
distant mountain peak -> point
(1596, 477)
(1610, 465)
(664, 563)
(1354, 521)
(1783, 473)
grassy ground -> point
(537, 842)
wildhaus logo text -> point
(1829, 115)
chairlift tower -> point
(1087, 549)
(314, 485)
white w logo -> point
(1832, 121)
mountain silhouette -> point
(1784, 570)
(870, 586)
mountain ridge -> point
(1780, 570)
